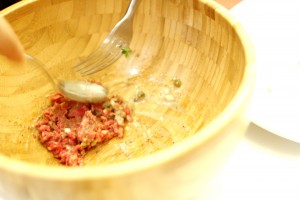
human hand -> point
(10, 46)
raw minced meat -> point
(69, 129)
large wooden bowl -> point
(180, 135)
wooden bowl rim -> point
(180, 149)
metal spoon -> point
(81, 91)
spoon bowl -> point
(81, 91)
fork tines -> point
(107, 53)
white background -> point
(266, 165)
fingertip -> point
(17, 57)
(10, 46)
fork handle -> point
(130, 10)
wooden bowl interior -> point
(185, 39)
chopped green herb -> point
(63, 135)
(94, 143)
(106, 104)
(126, 51)
(140, 95)
(83, 144)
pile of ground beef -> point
(69, 129)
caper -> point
(176, 82)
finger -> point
(10, 46)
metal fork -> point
(111, 48)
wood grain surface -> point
(194, 41)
